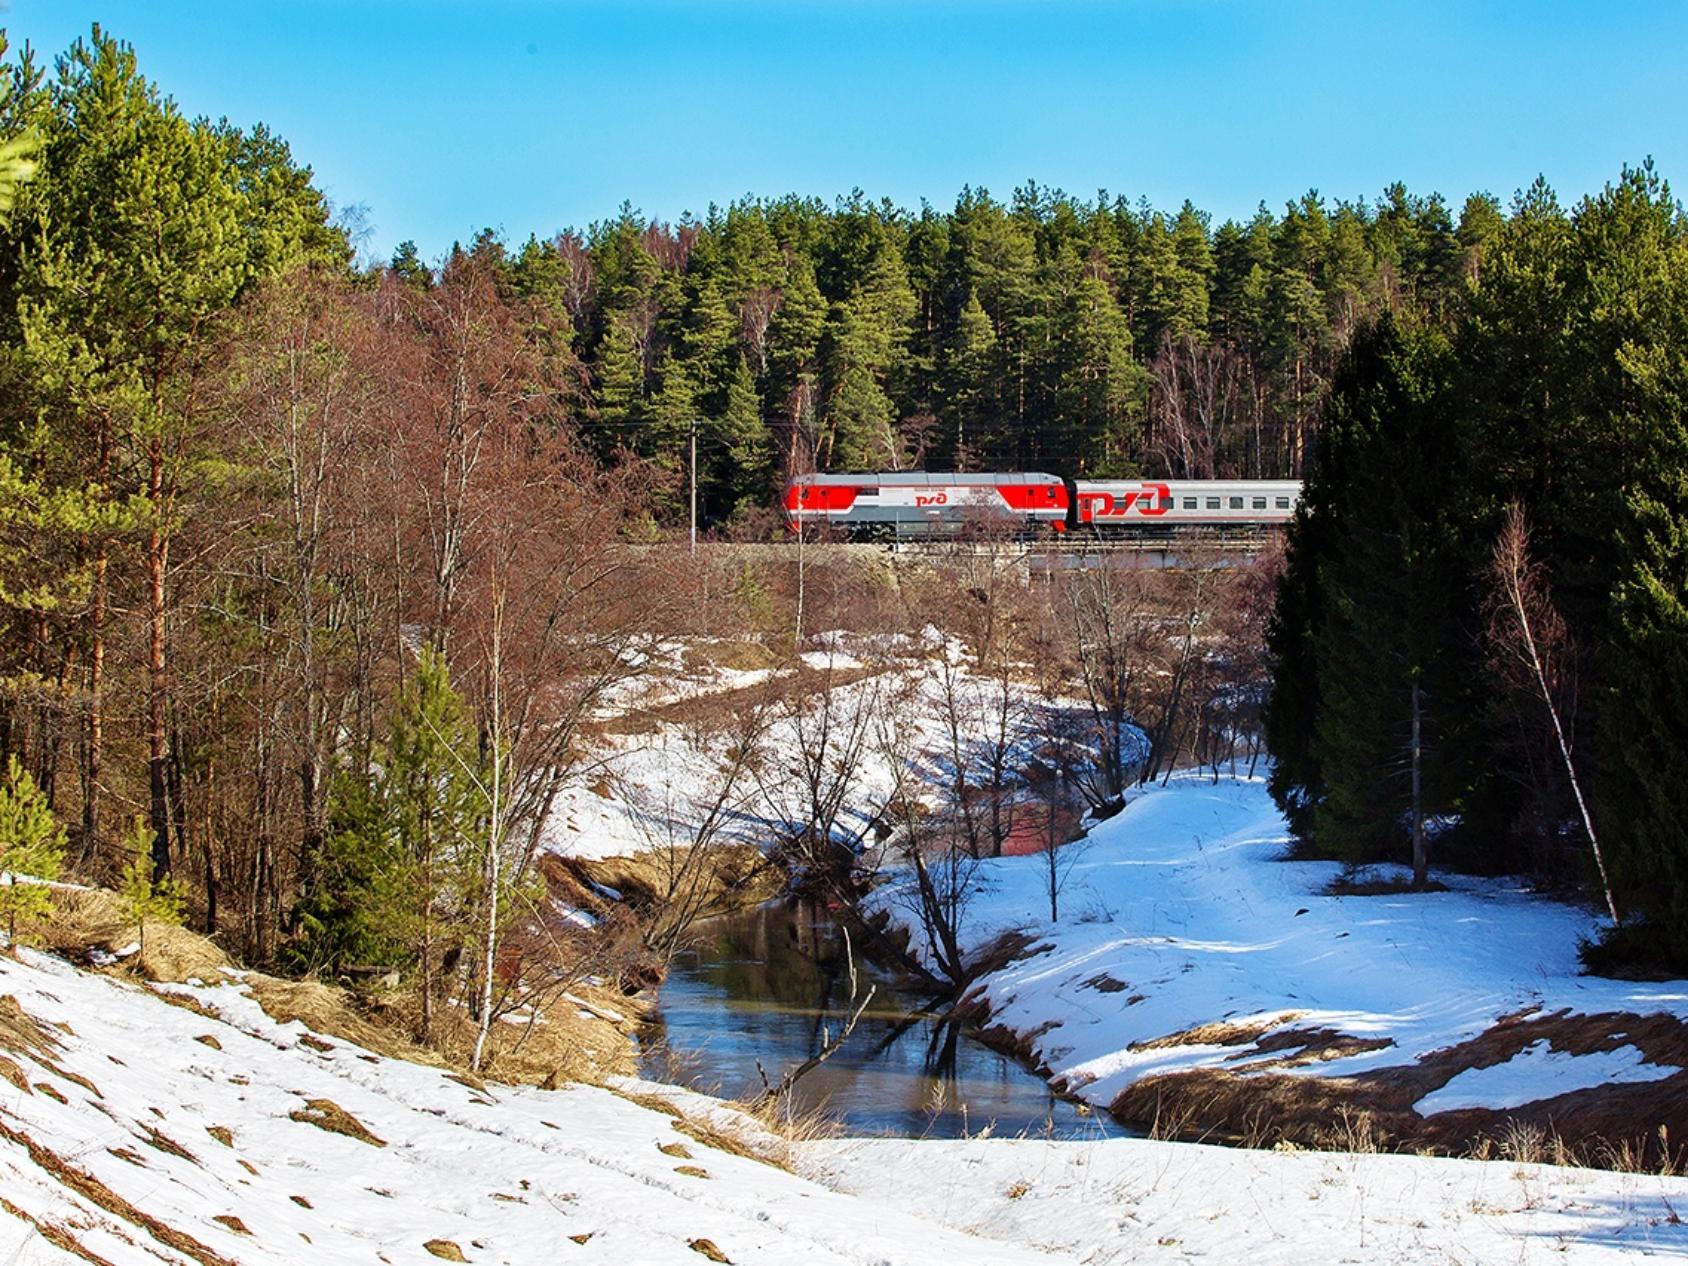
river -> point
(769, 986)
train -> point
(893, 505)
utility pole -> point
(797, 639)
(694, 485)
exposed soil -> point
(1374, 1110)
(723, 706)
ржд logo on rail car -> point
(914, 505)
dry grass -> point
(564, 1046)
(325, 1114)
(1343, 886)
(1223, 1033)
(740, 876)
(20, 1034)
(721, 707)
(60, 1237)
(1355, 1131)
(91, 918)
(650, 1102)
(739, 656)
(1524, 1142)
(91, 1189)
(749, 1141)
(576, 1041)
(1255, 1102)
(1306, 1046)
(12, 1072)
(767, 1132)
(340, 1013)
(164, 1143)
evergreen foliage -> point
(177, 319)
(32, 846)
(144, 895)
(1555, 377)
(403, 852)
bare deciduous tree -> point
(1109, 621)
(701, 864)
(1532, 643)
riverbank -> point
(1200, 985)
(757, 994)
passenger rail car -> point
(916, 505)
(1104, 504)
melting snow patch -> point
(1539, 1072)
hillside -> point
(136, 1131)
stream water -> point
(770, 986)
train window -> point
(1283, 503)
(1213, 503)
(867, 492)
(1260, 503)
(1236, 503)
(803, 495)
(1189, 503)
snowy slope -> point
(1179, 913)
(506, 1175)
(145, 1123)
(1134, 1200)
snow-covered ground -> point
(1179, 913)
(1136, 1200)
(656, 768)
(155, 1133)
(143, 1111)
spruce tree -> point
(1368, 640)
(741, 441)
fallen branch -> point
(773, 1093)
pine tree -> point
(620, 386)
(864, 346)
(1644, 700)
(407, 266)
(32, 844)
(1189, 309)
(144, 895)
(672, 411)
(139, 228)
(1631, 280)
(1096, 384)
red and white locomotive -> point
(914, 504)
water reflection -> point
(773, 985)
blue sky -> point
(440, 118)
